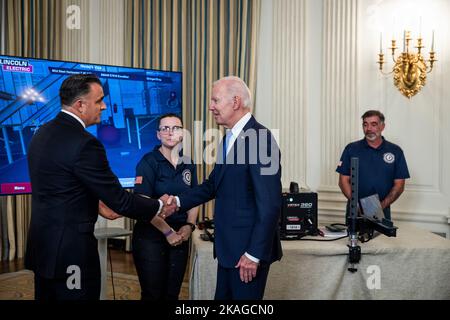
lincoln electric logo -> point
(15, 65)
(304, 205)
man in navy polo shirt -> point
(382, 165)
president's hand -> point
(169, 206)
(247, 269)
(106, 212)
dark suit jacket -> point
(69, 173)
(248, 203)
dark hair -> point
(169, 115)
(373, 113)
(76, 86)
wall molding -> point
(340, 79)
(289, 86)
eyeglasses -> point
(174, 129)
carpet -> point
(20, 286)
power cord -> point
(335, 239)
(112, 276)
(332, 227)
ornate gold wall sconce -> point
(410, 68)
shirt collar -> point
(381, 146)
(160, 157)
(239, 126)
(74, 116)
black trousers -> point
(57, 289)
(230, 287)
(160, 267)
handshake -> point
(168, 208)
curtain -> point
(14, 221)
(205, 40)
(2, 27)
(30, 28)
(33, 28)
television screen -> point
(29, 97)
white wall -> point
(324, 75)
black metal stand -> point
(354, 255)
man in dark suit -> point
(247, 191)
(69, 174)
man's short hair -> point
(373, 113)
(76, 86)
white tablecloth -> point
(413, 265)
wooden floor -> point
(122, 262)
(11, 266)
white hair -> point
(237, 87)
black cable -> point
(302, 239)
(111, 269)
(338, 224)
(315, 233)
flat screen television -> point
(29, 97)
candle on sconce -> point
(393, 29)
(420, 27)
(404, 40)
(432, 42)
(381, 42)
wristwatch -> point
(191, 224)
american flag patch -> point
(138, 180)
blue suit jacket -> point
(247, 206)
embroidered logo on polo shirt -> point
(388, 157)
(186, 176)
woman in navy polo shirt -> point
(160, 254)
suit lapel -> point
(237, 147)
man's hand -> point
(185, 232)
(169, 207)
(106, 212)
(247, 269)
(394, 194)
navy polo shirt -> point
(378, 168)
(156, 176)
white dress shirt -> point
(236, 130)
(74, 116)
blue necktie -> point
(226, 143)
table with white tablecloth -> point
(413, 265)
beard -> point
(371, 136)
